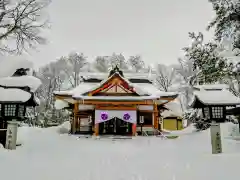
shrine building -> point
(115, 103)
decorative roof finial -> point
(115, 70)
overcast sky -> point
(154, 29)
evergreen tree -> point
(226, 21)
(206, 59)
(194, 116)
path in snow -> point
(46, 155)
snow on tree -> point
(195, 116)
(118, 60)
(21, 24)
(164, 77)
(52, 77)
(105, 63)
(187, 76)
(72, 66)
(102, 64)
(226, 22)
(136, 63)
(206, 58)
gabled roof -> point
(116, 74)
(102, 76)
(220, 97)
(142, 87)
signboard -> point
(11, 137)
(216, 138)
(141, 119)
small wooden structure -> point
(173, 123)
(213, 103)
(115, 104)
(15, 97)
(172, 116)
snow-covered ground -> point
(47, 155)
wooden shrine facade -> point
(115, 105)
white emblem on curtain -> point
(106, 115)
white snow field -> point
(47, 155)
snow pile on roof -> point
(20, 81)
(59, 104)
(14, 95)
(7, 69)
(212, 87)
(175, 109)
(79, 90)
(150, 89)
(125, 98)
(9, 66)
(223, 97)
(143, 89)
(103, 76)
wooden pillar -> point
(96, 129)
(134, 129)
(155, 116)
(75, 111)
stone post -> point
(216, 138)
(11, 137)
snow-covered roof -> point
(145, 90)
(14, 95)
(9, 66)
(211, 86)
(32, 82)
(223, 97)
(109, 98)
(150, 89)
(174, 109)
(103, 76)
(141, 88)
(79, 90)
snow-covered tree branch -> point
(136, 63)
(165, 77)
(72, 66)
(21, 23)
(206, 59)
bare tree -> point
(52, 79)
(72, 66)
(21, 22)
(105, 63)
(187, 77)
(186, 71)
(119, 60)
(136, 62)
(102, 64)
(165, 77)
